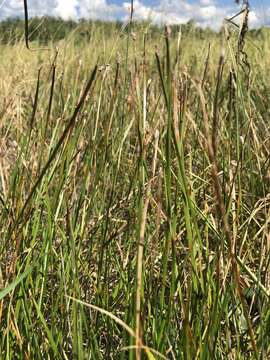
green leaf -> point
(12, 286)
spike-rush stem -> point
(26, 27)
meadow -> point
(134, 196)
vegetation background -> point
(134, 192)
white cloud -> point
(99, 9)
(253, 19)
(204, 12)
(207, 2)
(14, 8)
(208, 12)
(67, 9)
(259, 17)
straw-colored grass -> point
(134, 199)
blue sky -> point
(204, 12)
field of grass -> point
(134, 198)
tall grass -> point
(135, 199)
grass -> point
(135, 199)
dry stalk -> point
(211, 151)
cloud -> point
(205, 12)
(253, 19)
(259, 17)
(206, 2)
(99, 9)
(67, 9)
(14, 8)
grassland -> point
(135, 204)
